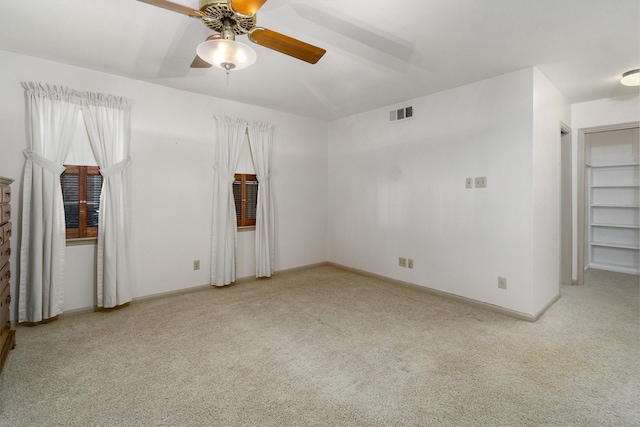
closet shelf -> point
(616, 245)
(616, 186)
(612, 199)
(615, 225)
(615, 206)
(613, 165)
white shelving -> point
(614, 217)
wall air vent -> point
(400, 114)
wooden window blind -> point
(81, 188)
(245, 195)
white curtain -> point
(108, 124)
(261, 144)
(230, 133)
(51, 113)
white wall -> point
(603, 112)
(360, 192)
(172, 175)
(550, 110)
(399, 190)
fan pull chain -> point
(228, 66)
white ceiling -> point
(379, 52)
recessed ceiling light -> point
(631, 78)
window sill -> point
(246, 228)
(82, 241)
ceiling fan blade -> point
(200, 63)
(246, 7)
(175, 7)
(287, 45)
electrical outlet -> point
(402, 262)
(469, 183)
(196, 264)
(410, 263)
(502, 282)
(481, 182)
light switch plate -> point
(481, 182)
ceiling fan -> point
(237, 17)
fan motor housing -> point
(215, 12)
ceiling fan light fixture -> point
(226, 54)
(631, 78)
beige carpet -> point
(329, 347)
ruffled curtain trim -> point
(230, 121)
(263, 127)
(104, 100)
(61, 93)
(58, 93)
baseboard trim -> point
(469, 301)
(75, 312)
(552, 301)
(185, 291)
(199, 288)
(86, 310)
(302, 268)
(169, 294)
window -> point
(245, 194)
(81, 187)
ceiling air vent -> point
(400, 114)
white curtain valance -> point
(52, 92)
(104, 100)
(61, 93)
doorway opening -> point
(608, 199)
(566, 213)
